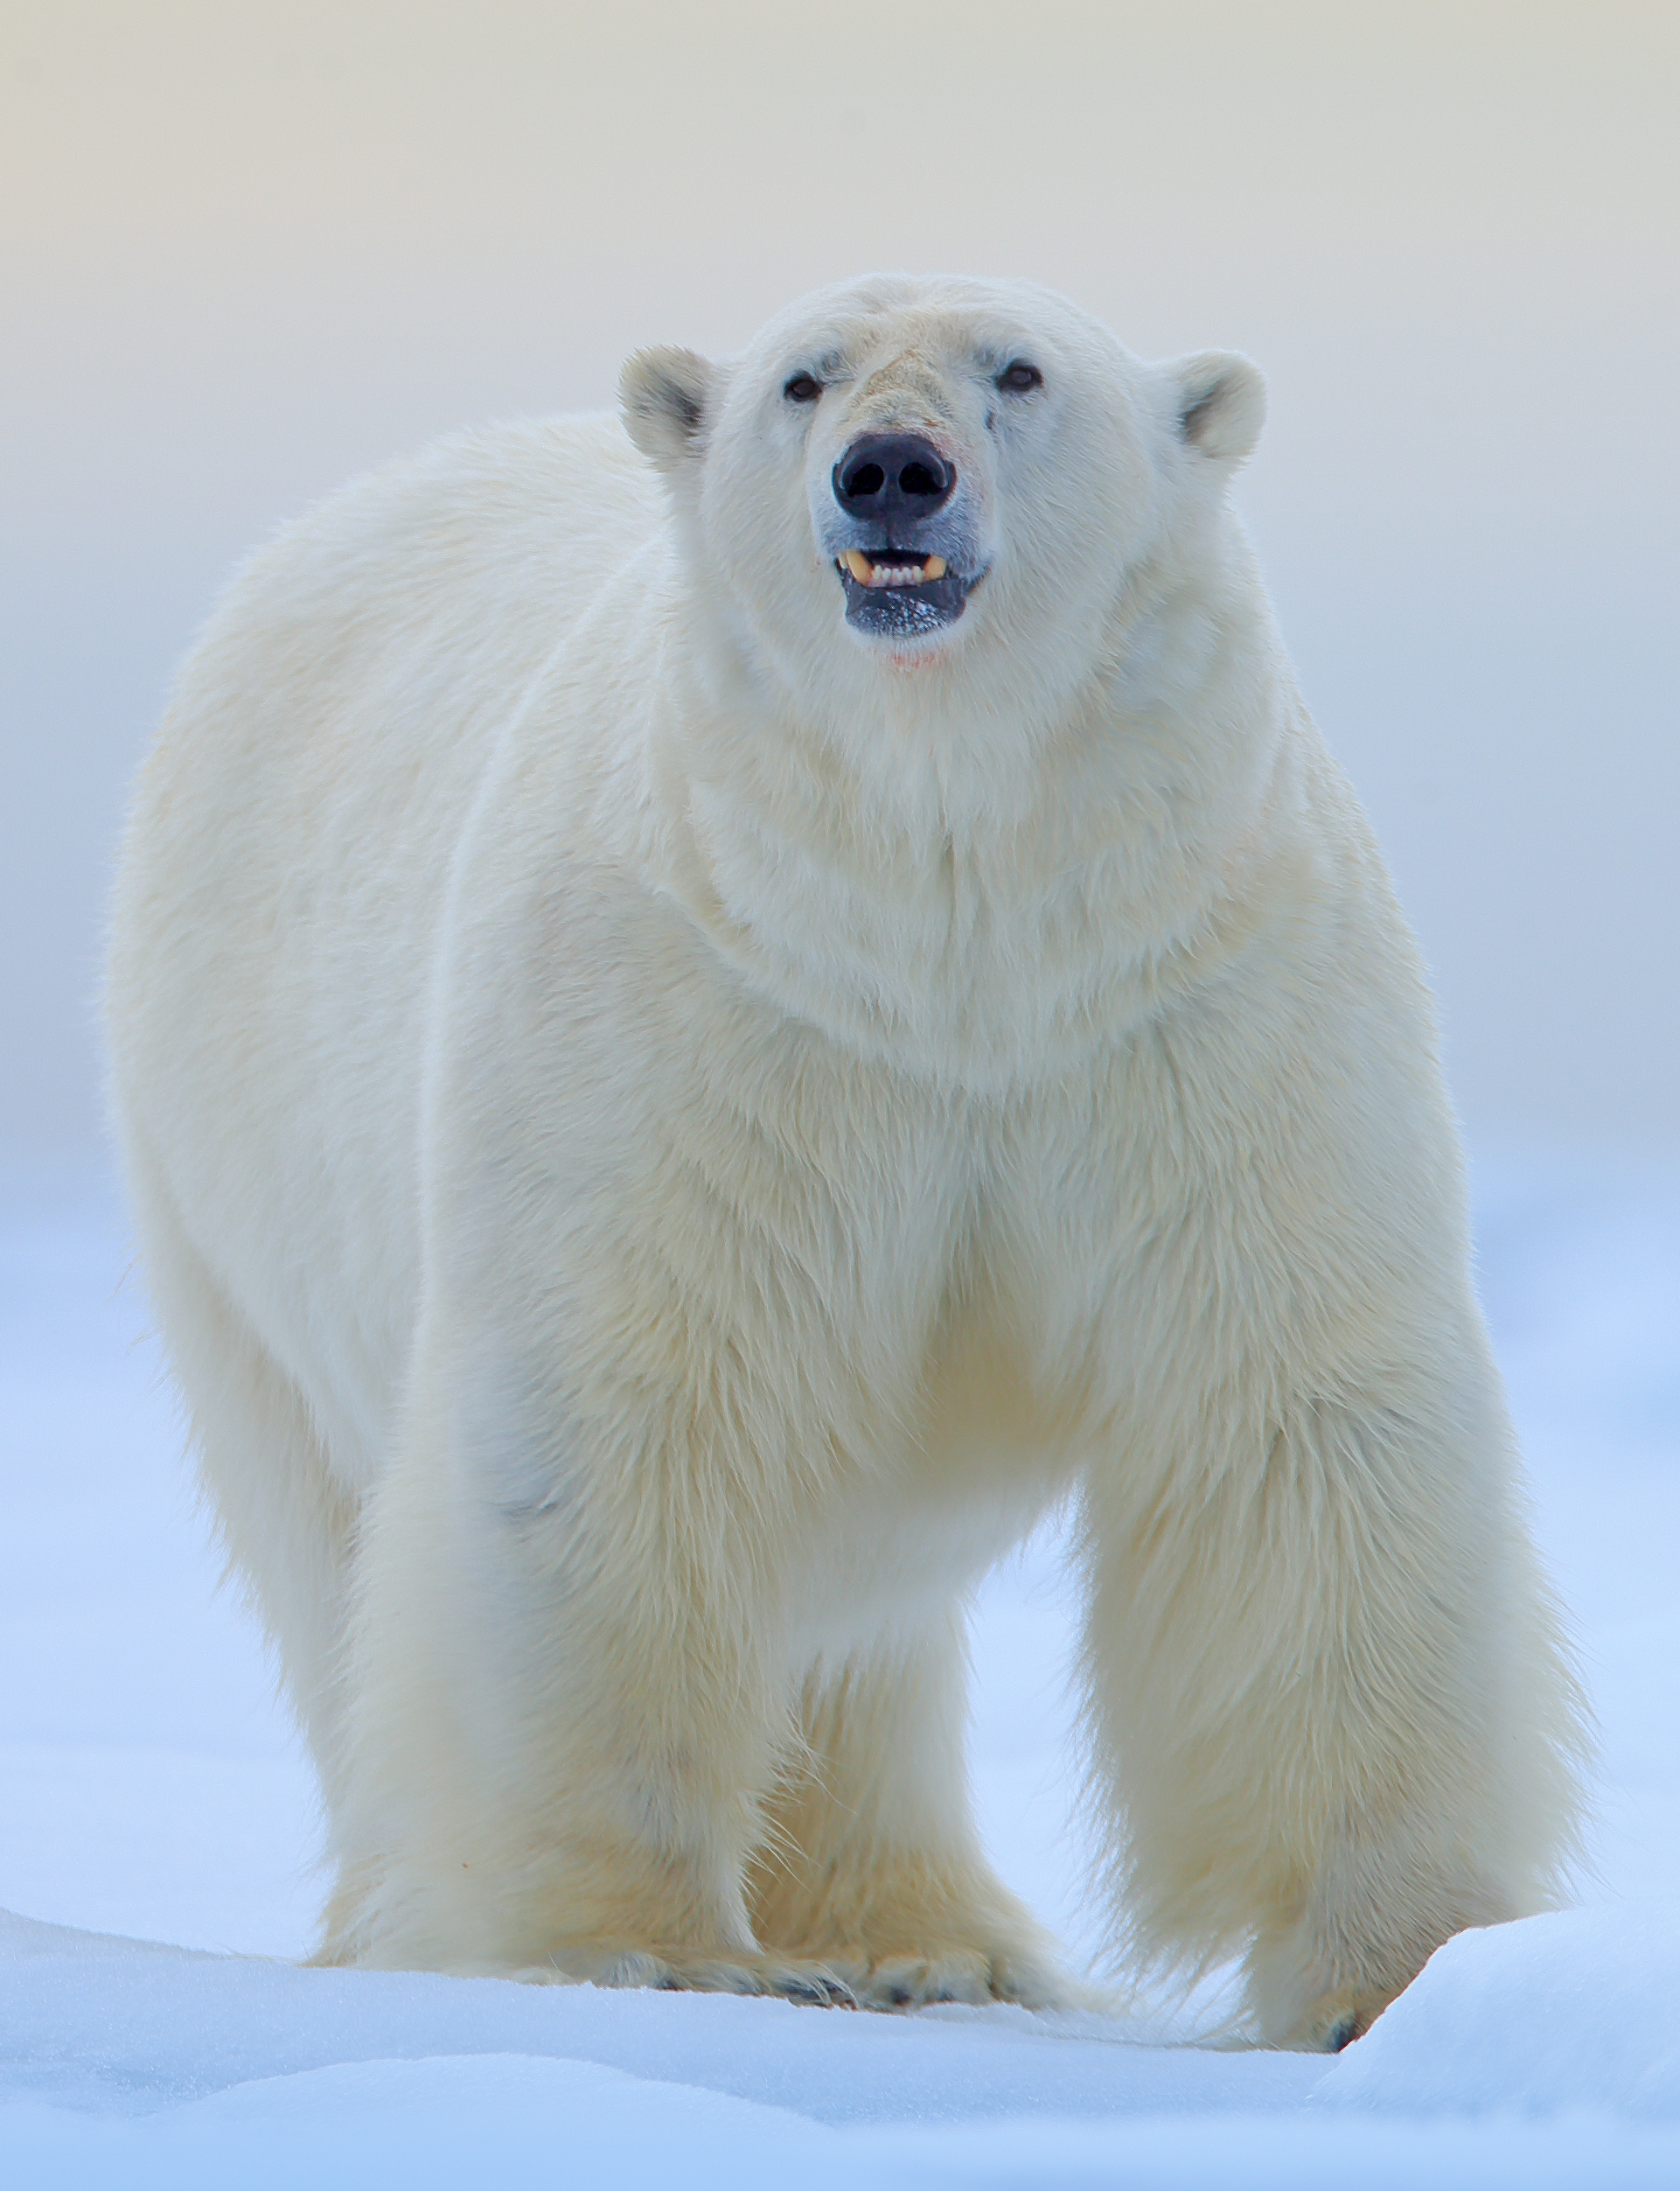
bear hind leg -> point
(873, 1865)
(285, 1522)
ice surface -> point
(153, 1789)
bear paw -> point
(783, 1977)
(967, 1976)
(1335, 2021)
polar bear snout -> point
(891, 479)
(896, 550)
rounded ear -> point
(1221, 403)
(667, 397)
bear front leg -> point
(565, 1707)
(1326, 1699)
(872, 1866)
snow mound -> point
(1578, 2010)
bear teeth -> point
(921, 573)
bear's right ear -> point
(667, 396)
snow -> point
(159, 1828)
(1571, 2011)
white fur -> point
(666, 1135)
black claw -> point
(1341, 2034)
(817, 1993)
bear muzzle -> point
(893, 488)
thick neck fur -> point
(977, 890)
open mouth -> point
(891, 566)
(898, 592)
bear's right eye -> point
(803, 387)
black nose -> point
(892, 475)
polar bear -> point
(712, 1015)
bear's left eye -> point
(803, 387)
(1021, 378)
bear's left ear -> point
(1221, 398)
(669, 397)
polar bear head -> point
(913, 474)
